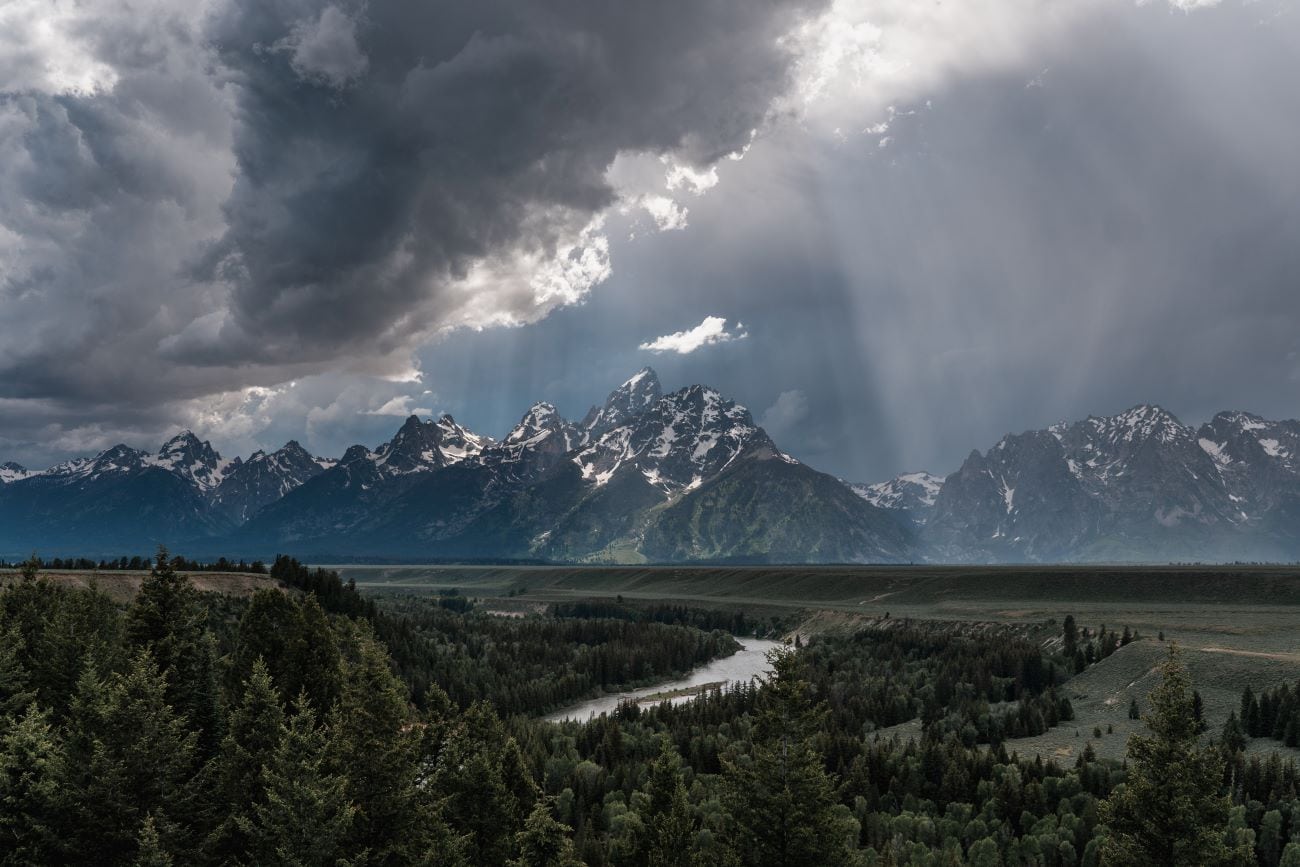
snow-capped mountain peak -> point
(264, 478)
(193, 460)
(1139, 424)
(912, 492)
(624, 403)
(12, 472)
(420, 446)
(681, 439)
(536, 443)
(540, 421)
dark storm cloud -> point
(458, 132)
(197, 199)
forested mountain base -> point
(191, 728)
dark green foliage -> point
(884, 676)
(488, 789)
(303, 816)
(333, 594)
(150, 850)
(293, 638)
(669, 826)
(137, 563)
(544, 842)
(53, 633)
(128, 755)
(1170, 809)
(15, 681)
(167, 619)
(30, 760)
(375, 748)
(783, 804)
(238, 775)
(529, 665)
(1275, 714)
(99, 765)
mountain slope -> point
(264, 478)
(766, 508)
(1139, 485)
(649, 476)
(599, 491)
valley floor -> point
(1239, 625)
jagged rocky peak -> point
(265, 477)
(538, 442)
(623, 404)
(541, 417)
(294, 451)
(354, 454)
(192, 459)
(459, 442)
(12, 472)
(420, 446)
(119, 458)
(542, 422)
(683, 438)
(1139, 424)
(1241, 437)
(909, 492)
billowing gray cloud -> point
(480, 132)
(202, 199)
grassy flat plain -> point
(1239, 625)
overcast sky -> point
(894, 230)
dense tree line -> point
(528, 665)
(983, 688)
(193, 728)
(1273, 713)
(137, 564)
(733, 621)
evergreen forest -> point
(312, 725)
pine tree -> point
(252, 737)
(29, 761)
(485, 800)
(150, 851)
(668, 818)
(128, 755)
(544, 842)
(15, 680)
(1069, 636)
(304, 817)
(374, 745)
(267, 631)
(1234, 736)
(316, 656)
(781, 800)
(168, 620)
(1170, 810)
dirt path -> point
(1280, 657)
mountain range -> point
(685, 476)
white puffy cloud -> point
(400, 406)
(711, 331)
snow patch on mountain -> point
(694, 432)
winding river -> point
(742, 665)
